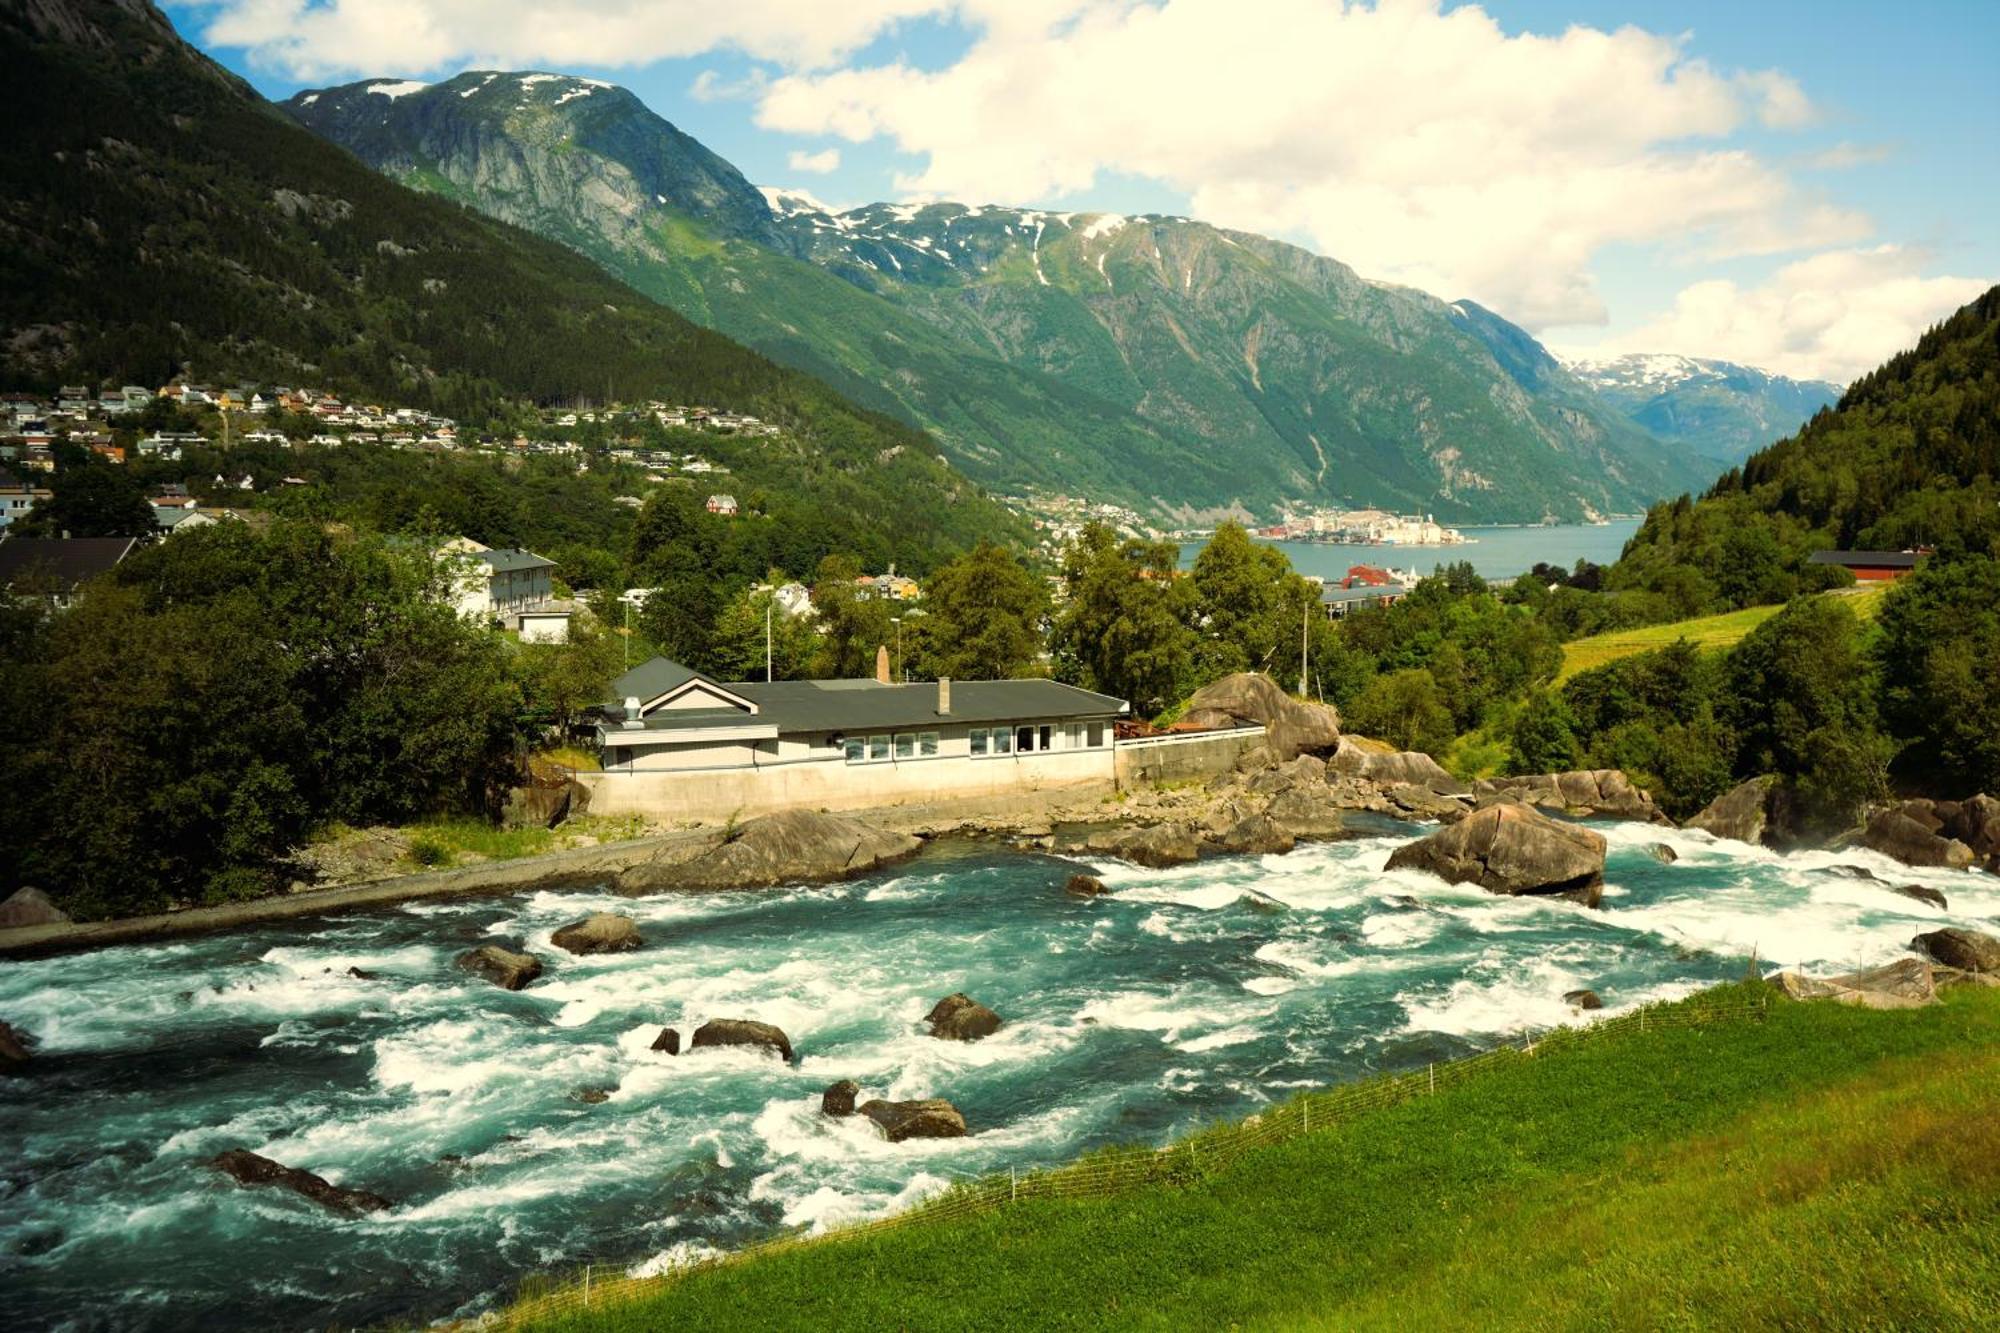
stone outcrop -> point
(544, 807)
(742, 1032)
(503, 967)
(959, 1017)
(30, 907)
(14, 1051)
(1307, 814)
(838, 1099)
(1974, 821)
(1304, 771)
(1257, 835)
(1966, 950)
(1742, 813)
(1380, 764)
(1582, 999)
(795, 847)
(1154, 845)
(931, 1118)
(1511, 849)
(1597, 791)
(600, 932)
(669, 1041)
(1662, 853)
(1415, 802)
(1292, 726)
(247, 1168)
(1915, 839)
(1085, 886)
(1922, 893)
(1907, 983)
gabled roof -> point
(1876, 559)
(64, 561)
(511, 560)
(1366, 592)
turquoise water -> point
(1497, 553)
(1130, 1018)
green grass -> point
(1723, 631)
(1825, 1167)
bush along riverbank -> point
(1735, 1158)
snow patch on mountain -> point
(394, 88)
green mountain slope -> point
(1161, 361)
(1718, 409)
(1910, 457)
(159, 216)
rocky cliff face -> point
(1715, 409)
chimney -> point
(881, 664)
(944, 696)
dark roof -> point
(66, 561)
(861, 705)
(508, 561)
(1876, 559)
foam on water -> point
(535, 1129)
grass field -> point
(1825, 1167)
(1721, 631)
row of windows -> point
(905, 744)
(986, 742)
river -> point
(1497, 553)
(1133, 1017)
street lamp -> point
(897, 621)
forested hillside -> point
(1907, 459)
(159, 216)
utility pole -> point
(767, 637)
(898, 622)
(1305, 638)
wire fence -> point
(1114, 1171)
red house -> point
(1871, 566)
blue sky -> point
(1803, 186)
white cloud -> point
(1844, 155)
(1833, 316)
(819, 163)
(1423, 146)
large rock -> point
(1304, 771)
(959, 1017)
(30, 907)
(1155, 845)
(669, 1041)
(1378, 763)
(1596, 791)
(795, 847)
(932, 1118)
(14, 1050)
(1258, 835)
(544, 807)
(1085, 886)
(1907, 983)
(1307, 813)
(742, 1032)
(247, 1168)
(502, 967)
(1411, 801)
(1966, 950)
(1743, 813)
(1583, 999)
(1292, 726)
(838, 1099)
(1905, 836)
(1975, 822)
(1511, 849)
(600, 932)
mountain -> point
(1719, 409)
(159, 216)
(1190, 370)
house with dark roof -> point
(1871, 566)
(500, 584)
(52, 568)
(675, 743)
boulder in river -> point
(1902, 835)
(931, 1118)
(838, 1099)
(1291, 726)
(1511, 849)
(794, 847)
(30, 907)
(503, 967)
(1662, 853)
(1923, 893)
(1966, 950)
(1306, 813)
(1360, 758)
(600, 932)
(1582, 999)
(247, 1168)
(959, 1017)
(669, 1041)
(1085, 886)
(1257, 835)
(742, 1032)
(1742, 813)
(1594, 791)
(14, 1050)
(1154, 845)
(1304, 771)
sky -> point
(1798, 186)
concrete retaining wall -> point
(1195, 757)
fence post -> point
(1434, 1078)
(1309, 1113)
(586, 1284)
(1013, 1184)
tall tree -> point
(1123, 626)
(983, 617)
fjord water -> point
(1497, 553)
(1182, 997)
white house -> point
(676, 744)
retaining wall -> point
(1153, 761)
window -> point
(1048, 736)
(1003, 741)
(978, 740)
(857, 749)
(1073, 736)
(906, 745)
(1096, 734)
(927, 744)
(878, 748)
(1024, 739)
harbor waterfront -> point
(1498, 553)
(517, 1132)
